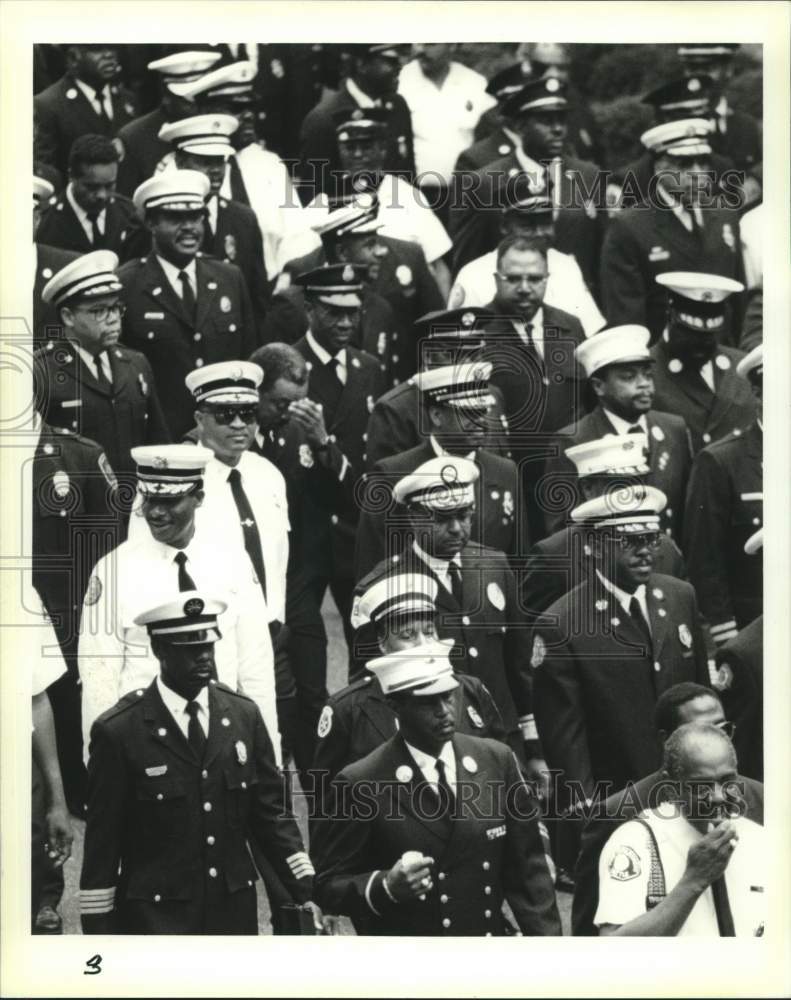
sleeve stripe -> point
(724, 627)
(298, 856)
(97, 908)
(527, 726)
(88, 894)
(303, 870)
(344, 466)
(368, 893)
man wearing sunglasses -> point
(85, 381)
(604, 652)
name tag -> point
(751, 496)
(495, 832)
(158, 771)
(658, 254)
(69, 404)
(153, 315)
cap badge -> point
(193, 607)
(495, 595)
(94, 591)
(348, 273)
(469, 764)
(706, 297)
(237, 374)
(693, 84)
(685, 636)
(552, 85)
(160, 463)
(357, 114)
(468, 319)
(404, 773)
(475, 718)
(241, 752)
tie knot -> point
(440, 766)
(635, 429)
(192, 708)
(234, 476)
(180, 558)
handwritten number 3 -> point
(94, 966)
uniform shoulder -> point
(229, 692)
(671, 585)
(475, 550)
(88, 451)
(121, 707)
(482, 747)
(393, 396)
(125, 205)
(497, 463)
(668, 421)
(351, 692)
(364, 359)
(559, 317)
(219, 269)
(131, 268)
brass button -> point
(210, 840)
(213, 873)
(204, 774)
(160, 796)
(207, 807)
(446, 922)
(157, 898)
(486, 866)
(487, 913)
(443, 898)
(441, 876)
(487, 890)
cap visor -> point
(439, 686)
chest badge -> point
(685, 636)
(475, 717)
(325, 722)
(225, 304)
(495, 595)
(241, 751)
(61, 484)
(469, 764)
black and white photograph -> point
(384, 498)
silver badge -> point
(241, 752)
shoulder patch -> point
(325, 722)
(107, 471)
(625, 865)
(93, 591)
(539, 652)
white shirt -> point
(624, 598)
(360, 96)
(625, 865)
(443, 117)
(536, 325)
(428, 765)
(82, 215)
(177, 706)
(440, 452)
(622, 426)
(566, 288)
(115, 655)
(96, 103)
(90, 361)
(172, 274)
(46, 662)
(439, 567)
(680, 212)
(324, 356)
(752, 238)
(211, 213)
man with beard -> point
(619, 367)
(379, 867)
(83, 102)
(138, 143)
(693, 865)
(605, 651)
(231, 230)
(183, 311)
(182, 775)
(371, 84)
(694, 373)
(167, 556)
(724, 509)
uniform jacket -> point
(615, 810)
(74, 503)
(644, 242)
(358, 719)
(119, 417)
(499, 522)
(123, 234)
(482, 857)
(740, 682)
(46, 318)
(142, 150)
(725, 507)
(635, 178)
(238, 240)
(488, 630)
(63, 113)
(157, 324)
(475, 228)
(742, 141)
(318, 142)
(184, 868)
(398, 423)
(487, 148)
(558, 564)
(596, 682)
(331, 540)
(286, 321)
(669, 460)
(709, 416)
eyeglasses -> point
(517, 280)
(729, 728)
(102, 313)
(650, 540)
(225, 415)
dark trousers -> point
(64, 696)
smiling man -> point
(115, 656)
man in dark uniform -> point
(439, 867)
(540, 111)
(619, 368)
(138, 142)
(476, 601)
(345, 382)
(561, 561)
(372, 82)
(399, 419)
(182, 310)
(348, 235)
(83, 101)
(496, 135)
(49, 260)
(682, 703)
(724, 509)
(694, 376)
(457, 401)
(605, 651)
(231, 230)
(682, 228)
(181, 775)
(86, 382)
(358, 719)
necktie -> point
(697, 232)
(532, 349)
(238, 189)
(252, 540)
(187, 295)
(334, 388)
(635, 429)
(639, 619)
(722, 908)
(195, 734)
(102, 112)
(454, 575)
(101, 378)
(96, 237)
(185, 580)
(444, 793)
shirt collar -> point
(360, 96)
(438, 566)
(721, 110)
(623, 597)
(426, 761)
(79, 211)
(323, 355)
(441, 452)
(87, 357)
(622, 426)
(515, 138)
(90, 92)
(177, 705)
(172, 272)
(529, 165)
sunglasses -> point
(225, 415)
(650, 540)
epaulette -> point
(219, 686)
(360, 684)
(123, 705)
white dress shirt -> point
(566, 288)
(624, 598)
(441, 452)
(97, 103)
(680, 212)
(751, 234)
(82, 215)
(115, 655)
(428, 765)
(177, 706)
(439, 567)
(443, 117)
(324, 356)
(90, 361)
(360, 96)
(622, 426)
(172, 274)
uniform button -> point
(207, 807)
(150, 334)
(197, 336)
(443, 898)
(441, 876)
(249, 881)
(487, 890)
(334, 519)
(204, 774)
(157, 898)
(488, 934)
(244, 784)
(160, 796)
(210, 841)
(473, 652)
(668, 511)
(657, 666)
(199, 362)
(465, 620)
(487, 914)
(707, 438)
(756, 520)
(394, 338)
(446, 922)
(486, 866)
(395, 359)
(213, 872)
(232, 329)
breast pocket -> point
(162, 806)
(240, 783)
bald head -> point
(695, 749)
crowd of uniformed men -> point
(358, 320)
